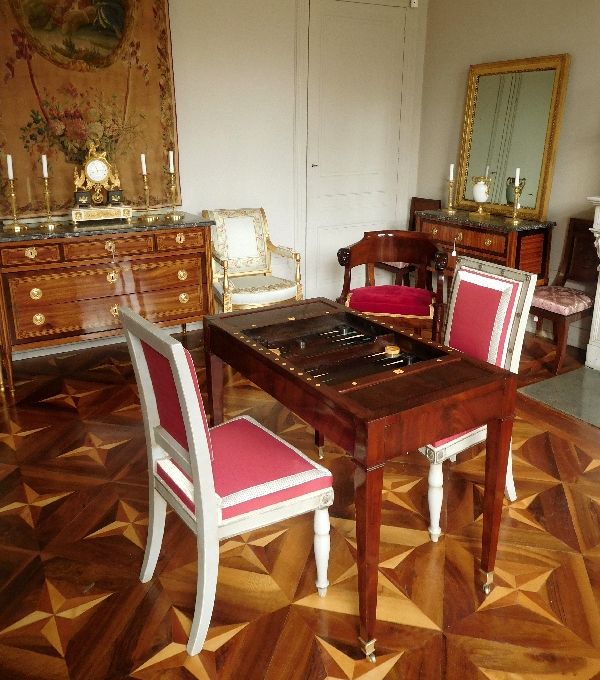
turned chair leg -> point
(322, 546)
(435, 496)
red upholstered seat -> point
(392, 301)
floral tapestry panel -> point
(81, 71)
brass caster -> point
(371, 657)
(487, 588)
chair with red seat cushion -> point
(487, 315)
(560, 303)
(415, 248)
(221, 482)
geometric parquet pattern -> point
(73, 524)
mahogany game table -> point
(377, 392)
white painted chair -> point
(487, 314)
(241, 250)
(222, 482)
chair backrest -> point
(487, 311)
(174, 418)
(240, 237)
(417, 203)
(580, 258)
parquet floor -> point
(73, 522)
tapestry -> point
(76, 72)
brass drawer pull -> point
(35, 294)
(182, 275)
(112, 276)
(184, 297)
(39, 319)
(110, 246)
(488, 241)
(31, 253)
(434, 231)
(114, 310)
(180, 238)
(459, 236)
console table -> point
(525, 246)
(66, 285)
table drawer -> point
(481, 240)
(176, 240)
(77, 317)
(32, 254)
(102, 248)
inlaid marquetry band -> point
(182, 275)
(39, 319)
(35, 294)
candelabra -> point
(48, 223)
(518, 188)
(151, 214)
(174, 215)
(15, 225)
(450, 209)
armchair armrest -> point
(282, 251)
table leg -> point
(368, 484)
(214, 383)
(320, 443)
(499, 433)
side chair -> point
(563, 304)
(487, 315)
(223, 481)
(241, 251)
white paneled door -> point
(355, 87)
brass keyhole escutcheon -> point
(184, 297)
(114, 310)
(30, 253)
(488, 241)
(39, 319)
(434, 231)
(180, 238)
(35, 294)
(112, 276)
(459, 236)
(182, 275)
(110, 246)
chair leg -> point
(435, 495)
(509, 490)
(156, 529)
(206, 589)
(322, 545)
(561, 333)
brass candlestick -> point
(15, 225)
(174, 215)
(513, 219)
(48, 223)
(151, 215)
(450, 209)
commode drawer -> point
(122, 246)
(31, 254)
(186, 238)
(492, 242)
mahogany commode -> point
(66, 285)
(335, 369)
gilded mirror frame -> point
(559, 62)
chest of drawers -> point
(67, 285)
(525, 246)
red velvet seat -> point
(393, 301)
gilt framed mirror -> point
(512, 120)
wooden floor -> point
(73, 521)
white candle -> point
(171, 164)
(517, 176)
(44, 166)
(487, 170)
(144, 164)
(9, 167)
(451, 176)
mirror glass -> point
(512, 120)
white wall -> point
(233, 62)
(465, 32)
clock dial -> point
(96, 170)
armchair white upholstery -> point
(241, 250)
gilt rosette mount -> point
(98, 194)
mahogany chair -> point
(241, 250)
(402, 270)
(487, 315)
(560, 303)
(222, 482)
(414, 248)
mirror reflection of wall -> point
(509, 131)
